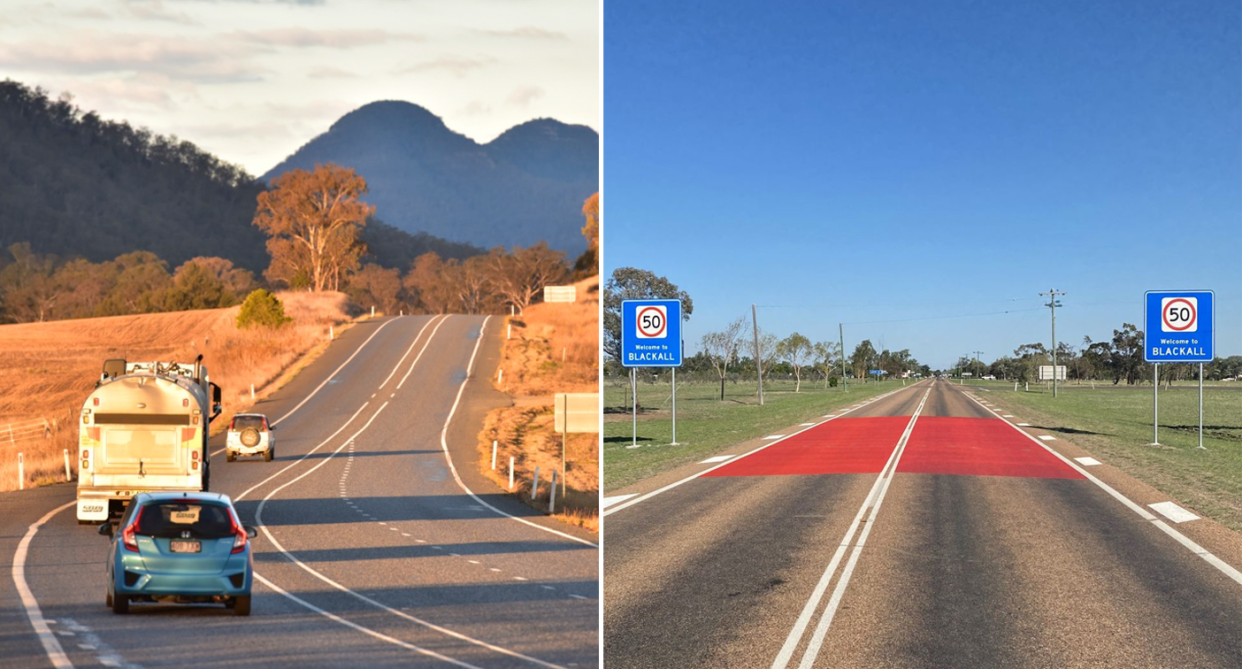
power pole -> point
(1053, 304)
(977, 354)
(841, 333)
(754, 318)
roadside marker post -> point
(510, 473)
(650, 337)
(21, 472)
(1179, 326)
(68, 475)
(534, 488)
(493, 454)
(552, 495)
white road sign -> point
(1045, 372)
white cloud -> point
(522, 96)
(112, 52)
(341, 39)
(527, 32)
(456, 65)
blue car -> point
(180, 547)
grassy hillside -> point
(47, 369)
(554, 349)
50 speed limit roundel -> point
(1179, 314)
(652, 322)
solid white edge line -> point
(453, 468)
(335, 371)
(351, 418)
(646, 496)
(424, 623)
(51, 645)
(1224, 567)
(838, 593)
(329, 377)
(365, 630)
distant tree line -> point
(1115, 360)
(37, 287)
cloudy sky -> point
(253, 80)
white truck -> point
(144, 428)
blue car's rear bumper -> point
(233, 580)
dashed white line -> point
(609, 501)
(718, 458)
(1174, 512)
(1088, 462)
(1047, 437)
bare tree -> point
(721, 349)
(798, 352)
(520, 276)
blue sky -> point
(253, 80)
(906, 162)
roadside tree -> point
(312, 220)
(796, 350)
(631, 283)
(720, 348)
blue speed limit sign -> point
(651, 333)
(1178, 326)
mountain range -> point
(523, 187)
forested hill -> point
(73, 184)
(525, 186)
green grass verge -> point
(706, 425)
(1115, 425)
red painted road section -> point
(841, 446)
(938, 445)
(977, 447)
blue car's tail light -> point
(128, 537)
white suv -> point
(250, 434)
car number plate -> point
(186, 546)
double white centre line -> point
(871, 504)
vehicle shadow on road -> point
(333, 510)
(353, 553)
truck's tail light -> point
(194, 455)
(86, 460)
(194, 466)
(185, 402)
(96, 401)
(128, 535)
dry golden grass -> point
(48, 369)
(554, 349)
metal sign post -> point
(674, 407)
(1155, 404)
(651, 337)
(634, 408)
(1179, 326)
(1201, 407)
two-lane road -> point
(371, 551)
(919, 530)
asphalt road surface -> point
(370, 551)
(922, 529)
